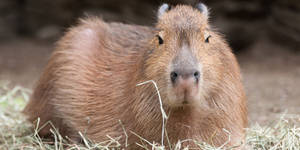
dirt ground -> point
(271, 74)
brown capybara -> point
(90, 82)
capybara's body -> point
(90, 82)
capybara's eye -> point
(160, 40)
(207, 39)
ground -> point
(271, 74)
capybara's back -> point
(90, 82)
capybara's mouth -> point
(182, 102)
(185, 102)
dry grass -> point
(16, 133)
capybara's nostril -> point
(196, 75)
(185, 75)
(173, 76)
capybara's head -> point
(186, 55)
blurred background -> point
(264, 34)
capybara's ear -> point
(203, 9)
(162, 10)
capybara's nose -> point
(178, 76)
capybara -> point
(90, 82)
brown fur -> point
(90, 82)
